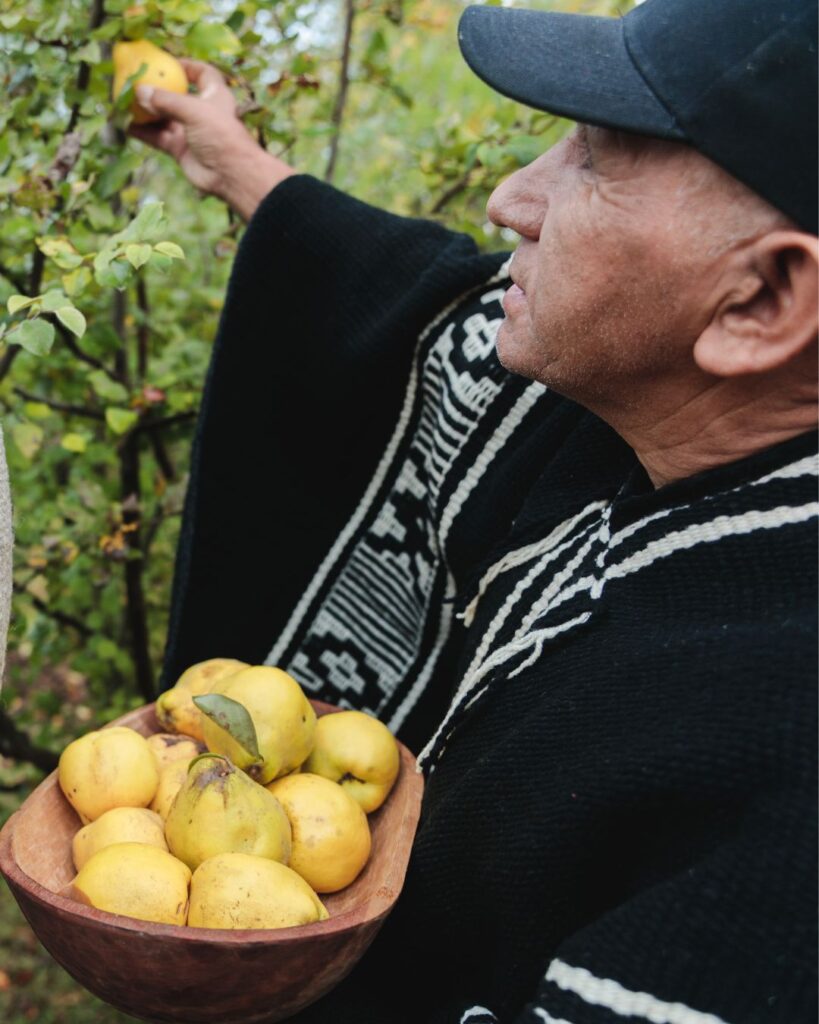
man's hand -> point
(203, 134)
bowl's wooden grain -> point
(202, 975)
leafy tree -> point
(112, 275)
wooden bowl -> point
(169, 973)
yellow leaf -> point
(38, 587)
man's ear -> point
(770, 315)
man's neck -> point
(722, 423)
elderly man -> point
(552, 519)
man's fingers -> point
(169, 138)
(208, 80)
(179, 106)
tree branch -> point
(343, 85)
(53, 613)
(84, 74)
(135, 608)
(9, 356)
(163, 459)
(454, 190)
(121, 358)
(74, 410)
(143, 332)
(165, 422)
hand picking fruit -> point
(160, 69)
(247, 831)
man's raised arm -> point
(203, 133)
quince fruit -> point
(168, 747)
(119, 825)
(359, 753)
(175, 708)
(162, 70)
(220, 810)
(331, 837)
(107, 768)
(260, 719)
(136, 880)
(171, 780)
(237, 890)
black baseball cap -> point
(736, 79)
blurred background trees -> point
(112, 276)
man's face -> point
(612, 270)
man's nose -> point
(515, 204)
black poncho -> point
(613, 687)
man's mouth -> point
(513, 297)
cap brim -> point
(574, 65)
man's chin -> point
(514, 349)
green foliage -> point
(113, 271)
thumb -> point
(181, 107)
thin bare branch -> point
(165, 422)
(67, 407)
(163, 459)
(54, 613)
(343, 85)
(84, 357)
(143, 330)
(9, 356)
(454, 190)
(84, 74)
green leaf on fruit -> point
(234, 718)
(126, 94)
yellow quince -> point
(220, 810)
(119, 825)
(260, 719)
(107, 768)
(331, 836)
(175, 708)
(136, 880)
(162, 70)
(238, 890)
(359, 753)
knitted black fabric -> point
(613, 687)
(316, 338)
